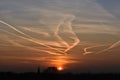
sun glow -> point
(60, 68)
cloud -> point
(46, 44)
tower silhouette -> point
(38, 70)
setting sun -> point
(60, 68)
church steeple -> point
(38, 70)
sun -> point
(60, 68)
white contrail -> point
(57, 35)
(53, 53)
(32, 48)
(30, 38)
(68, 21)
(3, 22)
(114, 45)
(111, 47)
(72, 46)
(76, 39)
(59, 52)
(68, 18)
(88, 52)
(20, 45)
(36, 31)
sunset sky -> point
(78, 35)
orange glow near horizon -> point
(59, 62)
(60, 68)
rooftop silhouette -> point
(52, 73)
(51, 70)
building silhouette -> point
(51, 70)
(38, 70)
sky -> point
(78, 35)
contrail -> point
(32, 48)
(36, 31)
(114, 45)
(72, 46)
(88, 52)
(53, 53)
(33, 42)
(104, 50)
(57, 35)
(13, 27)
(67, 20)
(76, 39)
(30, 38)
(20, 45)
(111, 47)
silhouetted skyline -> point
(54, 74)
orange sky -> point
(78, 35)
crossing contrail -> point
(32, 48)
(57, 34)
(30, 38)
(74, 37)
(59, 52)
(66, 21)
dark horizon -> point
(54, 74)
(34, 70)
